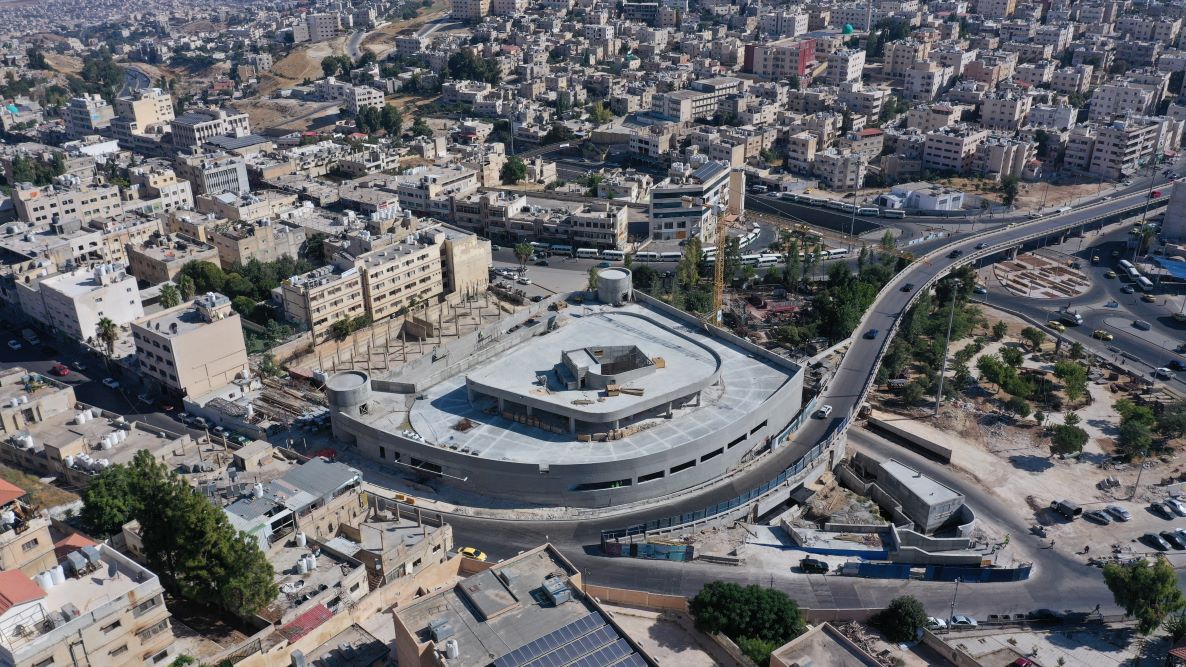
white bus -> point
(835, 203)
(1129, 269)
(750, 260)
(867, 211)
(1144, 283)
(587, 252)
(560, 249)
(893, 214)
(765, 259)
(670, 256)
(613, 255)
(837, 252)
(539, 246)
(646, 256)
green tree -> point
(1074, 378)
(1135, 438)
(1018, 406)
(751, 612)
(902, 619)
(1146, 591)
(108, 333)
(1013, 356)
(109, 501)
(1175, 627)
(1034, 336)
(523, 252)
(243, 305)
(913, 393)
(185, 285)
(1000, 330)
(1171, 423)
(514, 170)
(889, 242)
(391, 119)
(591, 279)
(170, 296)
(206, 276)
(420, 128)
(1010, 187)
(1077, 350)
(601, 114)
(1067, 439)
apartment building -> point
(95, 603)
(689, 203)
(801, 148)
(1059, 117)
(1072, 79)
(1120, 98)
(1004, 111)
(841, 170)
(88, 114)
(1080, 145)
(130, 229)
(323, 27)
(26, 544)
(599, 226)
(76, 301)
(160, 260)
(249, 207)
(1124, 146)
(1001, 157)
(156, 189)
(924, 80)
(211, 174)
(780, 59)
(192, 129)
(844, 66)
(867, 101)
(68, 200)
(654, 141)
(147, 106)
(952, 149)
(400, 276)
(932, 117)
(900, 56)
(193, 348)
(354, 98)
(263, 240)
(702, 100)
(867, 142)
(430, 191)
(471, 10)
(320, 298)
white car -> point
(959, 620)
(523, 280)
(14, 345)
(1176, 505)
(936, 623)
(111, 382)
(823, 412)
(1164, 373)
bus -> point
(867, 211)
(837, 252)
(766, 259)
(812, 201)
(893, 214)
(560, 249)
(587, 252)
(1129, 269)
(848, 208)
(750, 260)
(613, 255)
(646, 256)
(1144, 283)
(670, 256)
(835, 203)
(539, 246)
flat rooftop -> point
(925, 487)
(299, 591)
(746, 382)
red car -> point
(1022, 662)
(1155, 194)
(59, 370)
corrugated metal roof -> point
(320, 477)
(709, 171)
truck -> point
(1070, 317)
(30, 337)
(1066, 508)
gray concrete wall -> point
(944, 453)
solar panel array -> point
(586, 642)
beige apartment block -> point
(322, 297)
(193, 348)
(25, 541)
(266, 241)
(147, 106)
(160, 260)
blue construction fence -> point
(676, 552)
(965, 573)
(720, 508)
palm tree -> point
(523, 253)
(108, 333)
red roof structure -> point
(306, 622)
(16, 588)
(9, 492)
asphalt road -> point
(353, 44)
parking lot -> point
(1094, 540)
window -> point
(382, 452)
(651, 477)
(119, 651)
(154, 630)
(29, 545)
(712, 454)
(757, 428)
(139, 609)
(737, 441)
(683, 466)
(160, 656)
(44, 663)
(109, 628)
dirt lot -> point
(382, 40)
(290, 114)
(40, 493)
(302, 63)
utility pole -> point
(953, 596)
(943, 371)
(1145, 210)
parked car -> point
(960, 620)
(523, 280)
(1176, 505)
(1128, 289)
(59, 370)
(1174, 539)
(1154, 540)
(14, 345)
(603, 265)
(813, 566)
(1148, 298)
(111, 382)
(936, 623)
(1100, 334)
(1098, 516)
(1118, 513)
(1161, 510)
(1045, 615)
(1110, 274)
(823, 412)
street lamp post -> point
(955, 285)
(953, 597)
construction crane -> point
(724, 224)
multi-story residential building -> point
(68, 200)
(1080, 145)
(211, 174)
(900, 56)
(156, 189)
(783, 23)
(322, 297)
(263, 240)
(1120, 98)
(430, 190)
(95, 602)
(1060, 117)
(250, 207)
(801, 148)
(130, 229)
(952, 149)
(1000, 157)
(1004, 111)
(160, 260)
(931, 117)
(868, 142)
(1073, 79)
(924, 80)
(355, 98)
(841, 170)
(702, 100)
(844, 66)
(997, 9)
(471, 10)
(192, 129)
(1123, 147)
(780, 59)
(26, 544)
(323, 27)
(193, 348)
(76, 301)
(147, 106)
(867, 101)
(654, 141)
(88, 114)
(689, 203)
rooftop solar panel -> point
(549, 642)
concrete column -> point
(669, 406)
(529, 410)
(1013, 252)
(469, 393)
(616, 422)
(572, 424)
(500, 404)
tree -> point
(1135, 438)
(1077, 350)
(1013, 356)
(523, 252)
(889, 242)
(514, 170)
(1074, 378)
(186, 286)
(591, 280)
(1175, 627)
(1147, 591)
(108, 333)
(1010, 186)
(1035, 337)
(206, 276)
(391, 119)
(1067, 439)
(1000, 330)
(1171, 423)
(749, 613)
(902, 620)
(601, 114)
(420, 128)
(170, 296)
(1018, 406)
(243, 305)
(109, 501)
